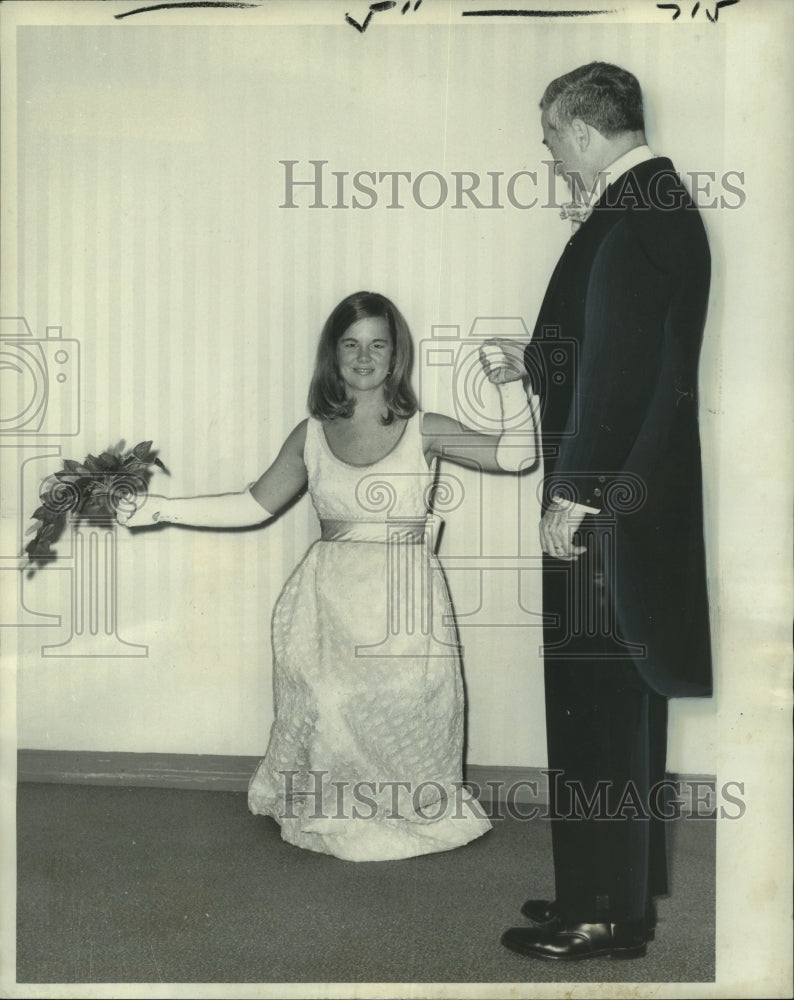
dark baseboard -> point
(154, 770)
(213, 771)
(207, 772)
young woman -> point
(365, 754)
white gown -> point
(365, 754)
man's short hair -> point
(602, 95)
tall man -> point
(614, 357)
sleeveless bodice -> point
(395, 487)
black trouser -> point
(607, 742)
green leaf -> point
(142, 450)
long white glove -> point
(517, 448)
(227, 510)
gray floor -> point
(129, 885)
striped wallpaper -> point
(150, 228)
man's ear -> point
(580, 131)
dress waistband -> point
(413, 531)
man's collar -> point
(633, 158)
(579, 213)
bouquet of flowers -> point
(91, 490)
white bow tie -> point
(576, 212)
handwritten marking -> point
(677, 8)
(535, 13)
(184, 3)
(376, 8)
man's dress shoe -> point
(544, 913)
(575, 942)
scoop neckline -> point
(366, 465)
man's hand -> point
(502, 360)
(558, 526)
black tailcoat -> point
(614, 357)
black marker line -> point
(185, 3)
(534, 13)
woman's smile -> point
(364, 353)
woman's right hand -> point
(502, 360)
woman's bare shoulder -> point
(438, 423)
(296, 439)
